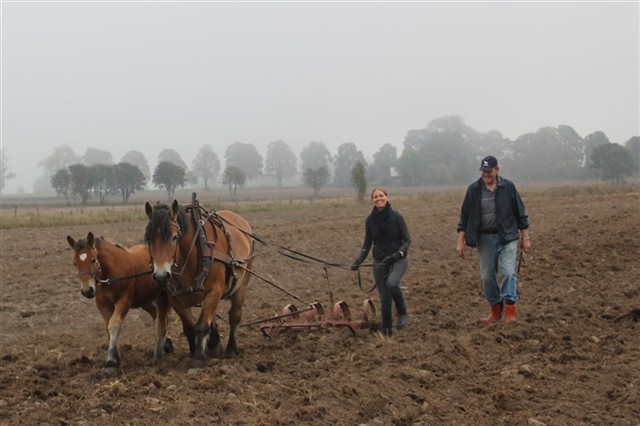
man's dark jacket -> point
(511, 214)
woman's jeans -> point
(494, 255)
(388, 283)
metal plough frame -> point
(315, 317)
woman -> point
(386, 229)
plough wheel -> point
(316, 310)
(368, 311)
(341, 311)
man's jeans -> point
(388, 279)
(494, 255)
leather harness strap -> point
(207, 253)
(205, 247)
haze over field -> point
(149, 76)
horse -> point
(120, 279)
(201, 260)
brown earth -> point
(573, 356)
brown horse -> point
(120, 279)
(201, 258)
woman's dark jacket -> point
(387, 231)
(511, 214)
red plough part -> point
(316, 319)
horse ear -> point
(148, 209)
(71, 241)
(90, 239)
(174, 208)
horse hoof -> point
(112, 371)
(231, 352)
(198, 363)
(168, 346)
(216, 352)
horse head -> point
(162, 235)
(85, 258)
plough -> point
(315, 317)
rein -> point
(193, 243)
(109, 281)
(288, 252)
(301, 257)
(128, 277)
(522, 260)
(360, 282)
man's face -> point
(490, 177)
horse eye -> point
(174, 238)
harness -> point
(99, 281)
(207, 253)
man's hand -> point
(460, 245)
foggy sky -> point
(150, 76)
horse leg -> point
(151, 310)
(199, 358)
(235, 315)
(188, 325)
(114, 328)
(163, 343)
(214, 344)
(207, 314)
(107, 313)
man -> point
(491, 217)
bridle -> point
(98, 268)
(93, 274)
(175, 266)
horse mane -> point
(102, 240)
(159, 222)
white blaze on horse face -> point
(87, 279)
(161, 269)
(163, 255)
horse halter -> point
(93, 274)
(175, 249)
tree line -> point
(446, 151)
